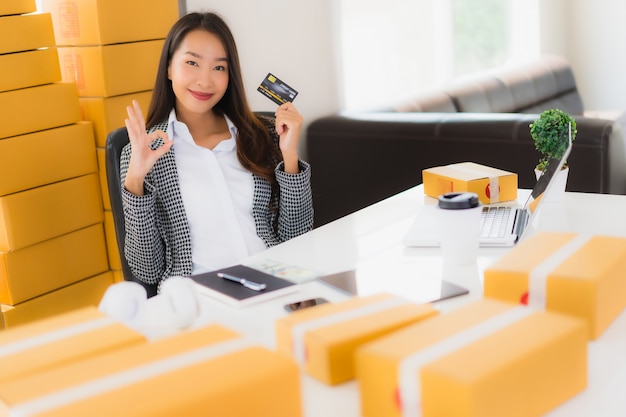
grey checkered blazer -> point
(158, 243)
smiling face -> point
(199, 74)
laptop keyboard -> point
(493, 221)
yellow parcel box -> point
(111, 70)
(25, 32)
(109, 113)
(46, 157)
(29, 69)
(208, 371)
(82, 294)
(103, 22)
(42, 213)
(324, 338)
(104, 185)
(59, 340)
(491, 184)
(53, 264)
(115, 261)
(17, 7)
(579, 275)
(38, 108)
(485, 359)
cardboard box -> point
(35, 31)
(491, 184)
(17, 7)
(111, 238)
(485, 359)
(111, 70)
(29, 69)
(85, 293)
(102, 177)
(102, 22)
(39, 269)
(59, 340)
(582, 276)
(210, 368)
(42, 213)
(53, 105)
(323, 338)
(109, 113)
(118, 275)
(46, 157)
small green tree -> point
(550, 132)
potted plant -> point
(550, 133)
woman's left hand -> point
(288, 125)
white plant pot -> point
(557, 190)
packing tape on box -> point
(408, 369)
(54, 336)
(494, 183)
(299, 330)
(538, 277)
(125, 378)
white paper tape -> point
(409, 368)
(128, 377)
(494, 190)
(538, 276)
(299, 330)
(494, 182)
(54, 336)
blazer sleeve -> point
(143, 246)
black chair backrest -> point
(116, 140)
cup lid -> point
(458, 200)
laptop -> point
(502, 224)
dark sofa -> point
(359, 159)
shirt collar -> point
(225, 145)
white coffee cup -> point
(459, 215)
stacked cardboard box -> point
(52, 248)
(89, 365)
(110, 49)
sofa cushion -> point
(432, 102)
(528, 88)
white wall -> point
(291, 39)
(591, 35)
(597, 50)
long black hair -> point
(256, 150)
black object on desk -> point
(235, 293)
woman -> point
(207, 183)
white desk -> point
(370, 240)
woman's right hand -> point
(142, 156)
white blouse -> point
(217, 194)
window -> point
(396, 49)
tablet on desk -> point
(355, 282)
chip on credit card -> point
(276, 90)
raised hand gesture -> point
(142, 156)
(288, 125)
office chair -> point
(116, 140)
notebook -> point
(238, 295)
(502, 224)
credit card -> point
(276, 90)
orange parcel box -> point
(323, 338)
(492, 185)
(583, 276)
(485, 359)
(59, 340)
(206, 371)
